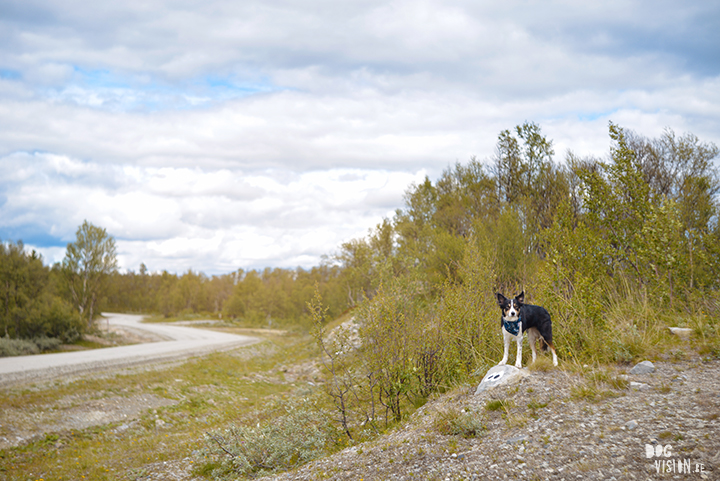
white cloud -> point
(215, 220)
(234, 134)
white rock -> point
(644, 367)
(500, 375)
(683, 332)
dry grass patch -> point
(202, 394)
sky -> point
(221, 135)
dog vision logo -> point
(665, 463)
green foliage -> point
(17, 347)
(87, 262)
(468, 316)
(499, 405)
(24, 347)
(456, 422)
(608, 247)
(268, 298)
(280, 296)
(296, 436)
(344, 384)
(391, 333)
(31, 302)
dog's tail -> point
(543, 345)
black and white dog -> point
(518, 318)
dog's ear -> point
(520, 297)
(501, 299)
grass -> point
(455, 422)
(499, 404)
(599, 384)
(208, 393)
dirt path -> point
(171, 343)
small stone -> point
(631, 425)
(638, 385)
(122, 428)
(517, 439)
(644, 367)
(683, 332)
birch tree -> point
(87, 261)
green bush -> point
(299, 435)
(47, 343)
(17, 347)
(26, 347)
(454, 422)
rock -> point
(631, 425)
(121, 428)
(638, 385)
(683, 332)
(645, 367)
(499, 375)
(517, 439)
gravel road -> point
(172, 343)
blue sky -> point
(232, 135)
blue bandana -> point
(512, 327)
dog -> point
(518, 317)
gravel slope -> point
(549, 432)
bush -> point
(26, 347)
(296, 437)
(454, 422)
(47, 343)
(17, 347)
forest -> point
(614, 246)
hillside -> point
(554, 424)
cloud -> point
(234, 134)
(177, 217)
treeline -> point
(612, 247)
(617, 249)
(42, 307)
(34, 300)
(271, 297)
(648, 212)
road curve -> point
(181, 342)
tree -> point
(87, 261)
(22, 279)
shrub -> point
(454, 422)
(47, 343)
(17, 347)
(296, 437)
(26, 347)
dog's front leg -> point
(506, 352)
(518, 359)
